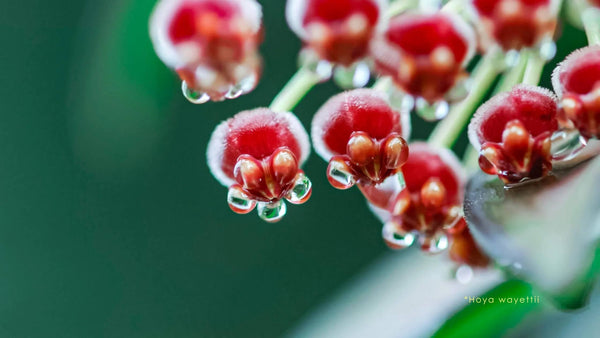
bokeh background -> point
(110, 223)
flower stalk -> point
(296, 88)
(591, 22)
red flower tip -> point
(361, 136)
(517, 24)
(258, 154)
(430, 205)
(339, 31)
(211, 44)
(513, 133)
(464, 250)
(577, 82)
(425, 54)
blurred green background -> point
(111, 225)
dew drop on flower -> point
(547, 49)
(239, 201)
(434, 244)
(460, 91)
(355, 76)
(566, 143)
(311, 62)
(432, 112)
(271, 211)
(301, 190)
(340, 175)
(234, 92)
(395, 237)
(193, 96)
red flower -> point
(362, 138)
(513, 133)
(430, 205)
(339, 31)
(517, 24)
(211, 44)
(577, 82)
(258, 154)
(425, 54)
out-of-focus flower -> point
(513, 132)
(211, 44)
(425, 53)
(430, 204)
(464, 250)
(517, 24)
(577, 83)
(362, 137)
(258, 154)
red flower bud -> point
(339, 31)
(258, 154)
(362, 138)
(430, 205)
(577, 82)
(513, 133)
(425, 54)
(517, 24)
(211, 44)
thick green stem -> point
(400, 6)
(591, 22)
(514, 75)
(534, 69)
(296, 88)
(448, 130)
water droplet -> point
(248, 83)
(566, 143)
(239, 201)
(271, 211)
(464, 274)
(355, 76)
(547, 49)
(432, 112)
(340, 175)
(234, 92)
(434, 244)
(311, 62)
(511, 58)
(395, 237)
(193, 96)
(301, 190)
(401, 101)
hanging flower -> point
(425, 53)
(577, 83)
(517, 24)
(211, 44)
(258, 154)
(463, 248)
(430, 205)
(362, 137)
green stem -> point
(296, 88)
(448, 130)
(514, 75)
(400, 6)
(591, 22)
(534, 69)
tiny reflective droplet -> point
(234, 92)
(271, 211)
(464, 274)
(434, 244)
(239, 201)
(566, 144)
(460, 91)
(511, 58)
(193, 96)
(310, 61)
(547, 49)
(355, 76)
(301, 190)
(340, 175)
(395, 237)
(432, 112)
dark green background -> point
(111, 225)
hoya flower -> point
(577, 83)
(430, 205)
(425, 53)
(258, 154)
(211, 44)
(517, 24)
(513, 132)
(338, 32)
(362, 137)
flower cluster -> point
(421, 57)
